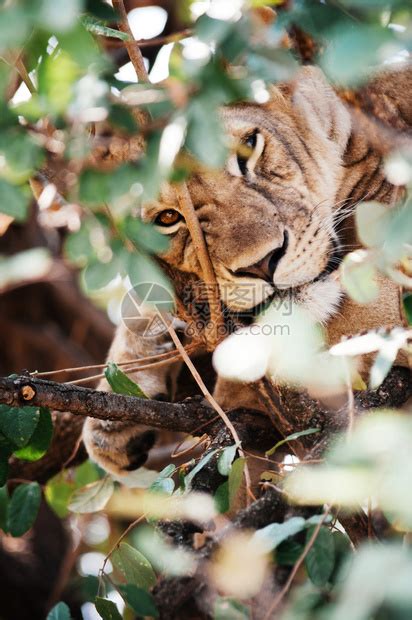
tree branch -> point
(186, 416)
(294, 410)
(132, 49)
(202, 253)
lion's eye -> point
(168, 217)
(245, 150)
(247, 155)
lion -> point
(269, 221)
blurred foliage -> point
(56, 47)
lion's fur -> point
(320, 157)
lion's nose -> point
(265, 268)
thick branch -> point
(295, 410)
(186, 416)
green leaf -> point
(407, 307)
(4, 465)
(320, 559)
(358, 277)
(78, 247)
(92, 497)
(372, 219)
(134, 566)
(139, 600)
(58, 15)
(6, 450)
(56, 77)
(271, 64)
(94, 187)
(5, 74)
(4, 504)
(203, 461)
(98, 187)
(81, 47)
(361, 46)
(235, 478)
(59, 612)
(97, 274)
(221, 497)
(97, 26)
(107, 609)
(381, 366)
(14, 26)
(145, 236)
(88, 472)
(18, 424)
(343, 550)
(21, 153)
(122, 117)
(292, 437)
(167, 486)
(120, 383)
(316, 519)
(141, 268)
(399, 232)
(229, 609)
(288, 552)
(58, 490)
(275, 533)
(57, 493)
(212, 30)
(141, 478)
(163, 482)
(205, 136)
(100, 9)
(88, 587)
(224, 462)
(40, 440)
(23, 508)
(13, 201)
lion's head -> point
(268, 216)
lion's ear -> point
(319, 107)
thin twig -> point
(216, 406)
(73, 453)
(117, 543)
(202, 253)
(133, 50)
(23, 73)
(146, 359)
(174, 37)
(196, 443)
(183, 196)
(351, 402)
(370, 526)
(298, 564)
(128, 371)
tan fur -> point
(318, 155)
(117, 446)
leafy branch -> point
(186, 416)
